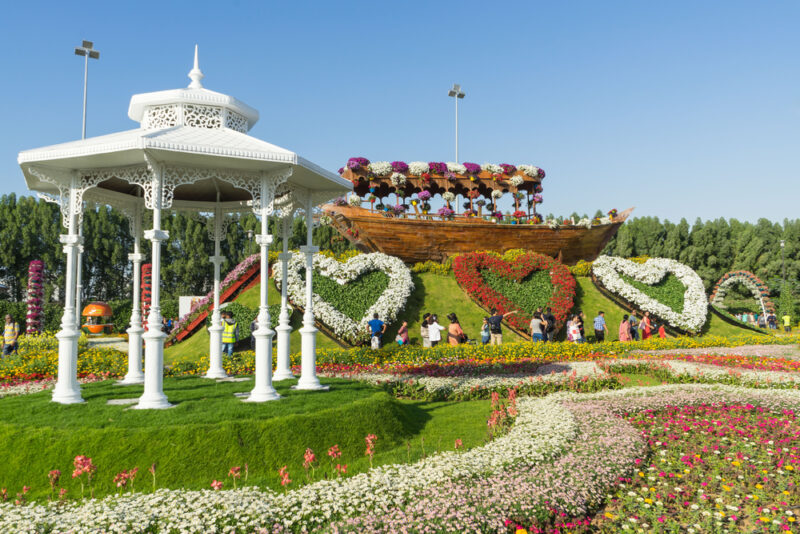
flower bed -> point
(495, 283)
(610, 271)
(361, 301)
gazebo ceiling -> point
(187, 129)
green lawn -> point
(209, 430)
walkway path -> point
(118, 343)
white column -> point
(153, 396)
(135, 374)
(263, 390)
(67, 389)
(308, 334)
(215, 369)
(284, 368)
(79, 276)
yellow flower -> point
(759, 486)
(789, 468)
(610, 515)
(521, 531)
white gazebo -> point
(191, 152)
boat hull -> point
(417, 239)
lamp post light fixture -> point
(249, 240)
(456, 93)
(87, 51)
(783, 269)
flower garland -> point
(607, 270)
(388, 305)
(398, 179)
(467, 269)
(380, 168)
(35, 293)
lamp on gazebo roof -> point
(191, 151)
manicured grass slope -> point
(209, 430)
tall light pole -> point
(783, 271)
(87, 51)
(456, 93)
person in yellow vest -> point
(787, 322)
(230, 332)
(10, 336)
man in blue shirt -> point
(377, 328)
(600, 328)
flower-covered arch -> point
(757, 287)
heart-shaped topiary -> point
(347, 294)
(659, 286)
(533, 280)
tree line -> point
(29, 229)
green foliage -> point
(533, 291)
(669, 291)
(122, 314)
(353, 298)
(433, 267)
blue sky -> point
(682, 109)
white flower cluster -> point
(496, 193)
(354, 200)
(398, 179)
(607, 269)
(448, 196)
(542, 430)
(585, 222)
(516, 180)
(552, 223)
(380, 168)
(388, 305)
(456, 168)
(530, 170)
(492, 168)
(418, 167)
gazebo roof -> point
(191, 128)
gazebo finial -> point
(196, 74)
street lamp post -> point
(456, 93)
(87, 51)
(249, 241)
(783, 271)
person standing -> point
(485, 334)
(625, 329)
(536, 327)
(600, 328)
(787, 322)
(376, 328)
(434, 330)
(581, 320)
(424, 332)
(495, 328)
(455, 334)
(402, 334)
(550, 324)
(662, 332)
(10, 336)
(634, 322)
(230, 332)
(573, 331)
(646, 326)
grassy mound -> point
(209, 431)
(441, 295)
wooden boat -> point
(420, 239)
(418, 235)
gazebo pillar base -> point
(215, 368)
(153, 397)
(308, 334)
(263, 390)
(135, 374)
(67, 389)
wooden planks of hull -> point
(418, 240)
